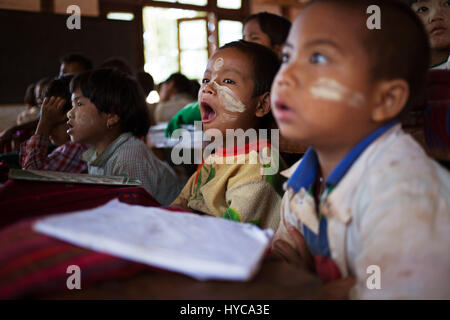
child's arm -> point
(298, 255)
(34, 152)
(65, 158)
(52, 114)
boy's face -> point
(86, 123)
(435, 14)
(321, 95)
(226, 95)
(253, 33)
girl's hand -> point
(300, 257)
(52, 113)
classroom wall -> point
(32, 43)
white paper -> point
(202, 247)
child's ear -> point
(263, 106)
(391, 97)
(112, 120)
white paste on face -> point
(330, 89)
(218, 64)
(227, 97)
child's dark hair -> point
(60, 87)
(30, 97)
(399, 50)
(275, 26)
(78, 58)
(146, 82)
(118, 63)
(180, 82)
(112, 91)
(264, 61)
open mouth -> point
(208, 113)
(70, 127)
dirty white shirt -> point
(391, 210)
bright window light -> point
(126, 16)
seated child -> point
(435, 15)
(109, 113)
(365, 201)
(74, 63)
(174, 94)
(52, 127)
(235, 95)
(32, 111)
(267, 29)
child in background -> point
(365, 201)
(174, 94)
(235, 95)
(32, 111)
(109, 113)
(74, 63)
(265, 28)
(435, 15)
(52, 127)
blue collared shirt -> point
(305, 177)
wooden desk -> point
(276, 280)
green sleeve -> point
(187, 115)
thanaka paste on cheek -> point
(227, 98)
(330, 89)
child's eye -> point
(285, 58)
(204, 80)
(229, 81)
(421, 9)
(79, 104)
(318, 58)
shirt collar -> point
(306, 172)
(93, 159)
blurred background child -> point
(52, 127)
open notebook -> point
(202, 247)
(56, 176)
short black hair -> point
(113, 91)
(60, 87)
(275, 26)
(264, 61)
(146, 82)
(399, 50)
(85, 62)
(118, 63)
(30, 97)
(180, 82)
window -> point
(229, 4)
(229, 31)
(178, 37)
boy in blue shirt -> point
(365, 201)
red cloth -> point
(32, 264)
(26, 199)
(66, 158)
